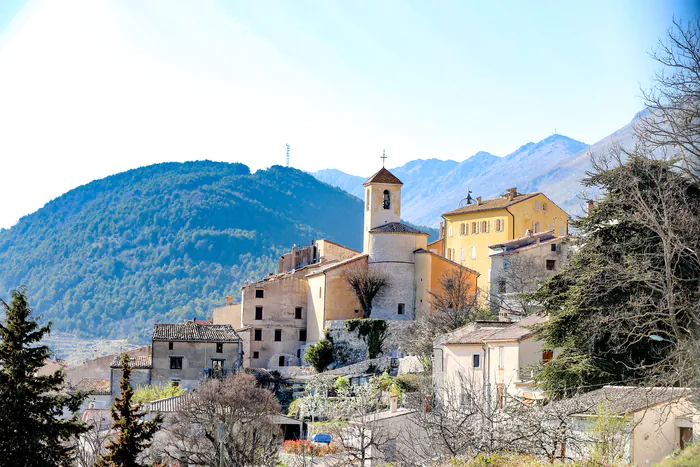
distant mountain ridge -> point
(554, 166)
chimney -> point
(229, 300)
(393, 403)
(590, 204)
(511, 193)
(478, 200)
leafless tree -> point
(227, 422)
(453, 305)
(672, 122)
(367, 283)
(513, 285)
(464, 419)
(361, 432)
(91, 444)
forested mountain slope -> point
(165, 242)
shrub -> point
(319, 355)
(150, 393)
(341, 384)
(307, 448)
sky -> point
(94, 87)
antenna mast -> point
(287, 155)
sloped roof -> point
(526, 240)
(335, 265)
(97, 386)
(472, 333)
(518, 330)
(383, 176)
(490, 204)
(137, 362)
(169, 404)
(189, 331)
(624, 399)
(397, 227)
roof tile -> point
(189, 331)
(383, 176)
(397, 227)
(489, 204)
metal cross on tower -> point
(383, 157)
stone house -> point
(183, 354)
(659, 421)
(493, 356)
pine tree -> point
(32, 429)
(133, 434)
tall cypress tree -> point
(32, 430)
(133, 434)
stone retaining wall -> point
(351, 348)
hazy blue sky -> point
(94, 87)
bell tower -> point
(382, 202)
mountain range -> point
(166, 242)
(554, 166)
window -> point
(475, 228)
(256, 354)
(551, 265)
(281, 360)
(258, 313)
(298, 353)
(217, 365)
(551, 226)
(501, 286)
(449, 253)
(463, 228)
(297, 312)
(473, 252)
(545, 206)
(357, 311)
(461, 254)
(485, 226)
(547, 355)
(219, 348)
(170, 345)
(498, 225)
(535, 227)
(259, 293)
(561, 231)
(501, 357)
(176, 363)
(258, 335)
(387, 201)
(402, 308)
(175, 383)
(320, 292)
(449, 230)
(278, 335)
(302, 335)
(554, 247)
(537, 205)
(476, 360)
(367, 198)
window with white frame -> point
(501, 357)
(561, 231)
(537, 205)
(473, 252)
(461, 254)
(475, 228)
(535, 227)
(449, 230)
(485, 226)
(545, 206)
(498, 225)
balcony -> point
(216, 373)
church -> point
(285, 312)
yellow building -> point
(469, 230)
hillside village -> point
(520, 335)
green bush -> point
(341, 384)
(319, 355)
(150, 393)
(689, 457)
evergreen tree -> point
(133, 434)
(32, 430)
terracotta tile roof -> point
(623, 399)
(472, 333)
(97, 386)
(490, 204)
(137, 362)
(518, 330)
(397, 227)
(383, 176)
(189, 331)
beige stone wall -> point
(332, 251)
(99, 367)
(657, 433)
(281, 297)
(353, 347)
(230, 314)
(316, 302)
(341, 301)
